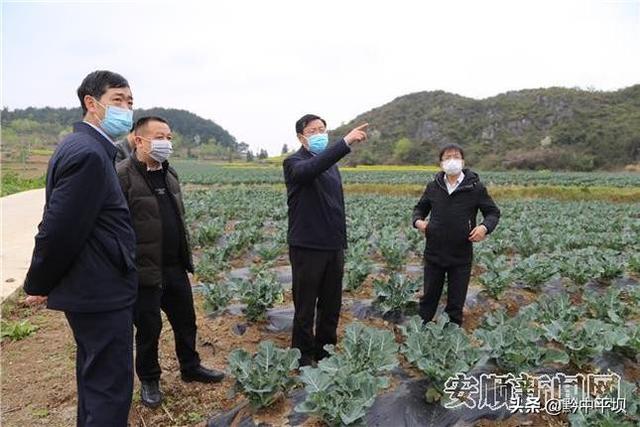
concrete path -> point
(20, 215)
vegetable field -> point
(551, 326)
(206, 173)
(554, 290)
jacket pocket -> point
(128, 258)
(108, 249)
(116, 253)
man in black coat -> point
(125, 146)
(163, 258)
(317, 234)
(452, 200)
(84, 257)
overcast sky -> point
(254, 67)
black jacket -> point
(124, 150)
(315, 198)
(84, 254)
(453, 217)
(147, 218)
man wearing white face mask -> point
(452, 200)
(163, 258)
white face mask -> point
(161, 149)
(452, 166)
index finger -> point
(362, 127)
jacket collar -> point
(142, 167)
(470, 180)
(304, 152)
(85, 128)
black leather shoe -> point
(150, 393)
(305, 360)
(202, 375)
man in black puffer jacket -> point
(452, 199)
(163, 258)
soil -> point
(38, 372)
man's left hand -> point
(478, 234)
(35, 299)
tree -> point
(285, 149)
(242, 147)
(250, 156)
(262, 154)
(403, 150)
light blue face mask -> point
(117, 121)
(318, 142)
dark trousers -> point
(457, 285)
(317, 294)
(104, 366)
(176, 300)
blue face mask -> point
(318, 142)
(117, 121)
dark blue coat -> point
(315, 198)
(84, 257)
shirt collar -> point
(101, 132)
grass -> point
(42, 151)
(17, 330)
(12, 183)
(566, 193)
(563, 193)
(40, 413)
(392, 168)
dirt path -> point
(21, 214)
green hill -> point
(554, 128)
(42, 128)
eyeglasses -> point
(314, 131)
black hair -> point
(97, 83)
(451, 146)
(305, 120)
(143, 121)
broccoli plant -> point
(395, 292)
(366, 349)
(337, 395)
(549, 308)
(393, 249)
(345, 385)
(260, 292)
(535, 270)
(262, 377)
(440, 350)
(217, 295)
(269, 252)
(208, 233)
(633, 263)
(514, 343)
(497, 277)
(608, 307)
(630, 417)
(583, 341)
(357, 266)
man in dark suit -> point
(317, 234)
(84, 257)
(163, 257)
(451, 201)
